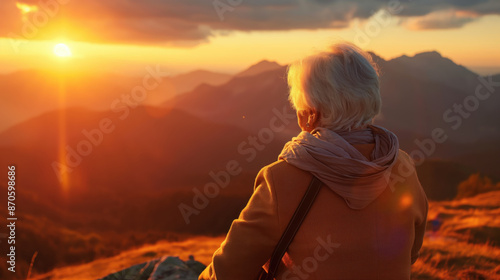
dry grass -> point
(201, 247)
(465, 247)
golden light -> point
(25, 9)
(62, 50)
(406, 201)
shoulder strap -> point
(293, 226)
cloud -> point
(441, 20)
(190, 22)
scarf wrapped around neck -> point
(330, 157)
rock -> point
(164, 268)
(195, 266)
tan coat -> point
(380, 241)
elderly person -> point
(368, 220)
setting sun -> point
(62, 50)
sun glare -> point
(25, 8)
(62, 50)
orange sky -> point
(117, 38)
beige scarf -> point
(330, 157)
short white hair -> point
(341, 84)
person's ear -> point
(313, 119)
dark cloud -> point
(195, 21)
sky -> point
(229, 35)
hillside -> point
(52, 90)
(236, 101)
(151, 162)
(150, 147)
(462, 240)
(203, 246)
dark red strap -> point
(293, 226)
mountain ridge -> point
(259, 67)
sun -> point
(62, 50)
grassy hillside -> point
(462, 239)
(462, 242)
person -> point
(368, 220)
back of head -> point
(341, 84)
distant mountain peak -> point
(377, 59)
(432, 66)
(190, 80)
(428, 58)
(259, 67)
(428, 55)
(266, 62)
(197, 71)
(201, 72)
(419, 56)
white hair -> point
(341, 84)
